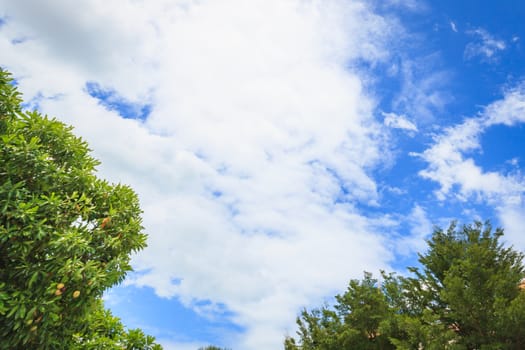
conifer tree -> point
(465, 295)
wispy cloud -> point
(396, 121)
(453, 27)
(450, 163)
(485, 46)
(423, 94)
(413, 5)
(420, 227)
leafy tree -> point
(65, 235)
(465, 295)
(354, 322)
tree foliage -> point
(65, 235)
(465, 295)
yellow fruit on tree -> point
(105, 222)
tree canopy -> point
(65, 234)
(465, 295)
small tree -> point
(65, 235)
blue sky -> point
(280, 148)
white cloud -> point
(424, 93)
(395, 121)
(458, 174)
(511, 217)
(258, 130)
(486, 46)
(420, 229)
(453, 27)
(510, 110)
(412, 5)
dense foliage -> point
(65, 235)
(465, 295)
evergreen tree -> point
(465, 295)
(470, 283)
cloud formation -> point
(398, 122)
(453, 27)
(424, 91)
(256, 153)
(485, 46)
(450, 163)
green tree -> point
(65, 235)
(465, 295)
(469, 283)
(354, 322)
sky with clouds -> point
(280, 147)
